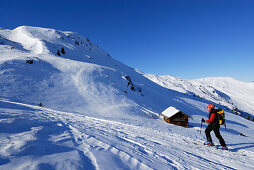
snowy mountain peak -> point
(39, 40)
(66, 64)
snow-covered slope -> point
(239, 94)
(98, 113)
(234, 94)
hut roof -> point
(170, 111)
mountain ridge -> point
(211, 88)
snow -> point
(170, 111)
(220, 90)
(92, 119)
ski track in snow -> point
(135, 147)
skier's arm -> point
(211, 118)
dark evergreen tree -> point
(58, 53)
(132, 88)
(62, 51)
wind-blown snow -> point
(101, 114)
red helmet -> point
(210, 106)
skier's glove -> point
(202, 120)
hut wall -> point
(179, 119)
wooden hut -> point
(175, 116)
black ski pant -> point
(216, 130)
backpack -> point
(221, 116)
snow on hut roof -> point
(170, 111)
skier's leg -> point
(216, 130)
(207, 133)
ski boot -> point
(222, 147)
(209, 143)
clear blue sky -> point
(184, 38)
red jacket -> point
(211, 118)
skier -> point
(213, 124)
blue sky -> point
(183, 38)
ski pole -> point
(200, 133)
(201, 126)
